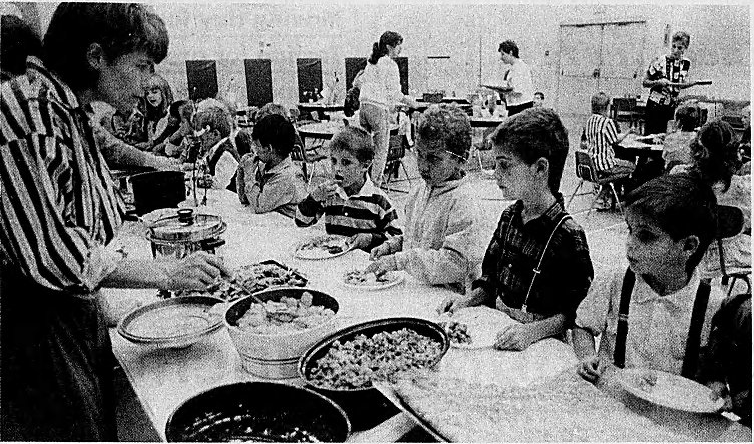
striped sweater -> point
(368, 211)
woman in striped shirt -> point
(59, 212)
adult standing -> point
(666, 76)
(380, 91)
(517, 89)
(59, 212)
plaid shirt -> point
(514, 251)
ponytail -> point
(379, 49)
(377, 53)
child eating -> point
(657, 313)
(534, 236)
(351, 203)
(442, 243)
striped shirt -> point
(58, 205)
(368, 211)
(601, 134)
(514, 252)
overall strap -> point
(538, 269)
(691, 358)
(619, 354)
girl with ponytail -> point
(380, 93)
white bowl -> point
(276, 356)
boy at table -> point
(218, 154)
(676, 149)
(267, 180)
(601, 135)
(537, 267)
(443, 244)
(351, 203)
(656, 314)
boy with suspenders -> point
(656, 314)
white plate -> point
(483, 325)
(672, 391)
(319, 253)
(393, 278)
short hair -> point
(681, 205)
(276, 131)
(540, 94)
(272, 108)
(175, 108)
(687, 117)
(715, 152)
(536, 133)
(448, 124)
(215, 118)
(356, 141)
(682, 36)
(119, 28)
(510, 47)
(600, 102)
(19, 41)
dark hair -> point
(715, 153)
(509, 47)
(356, 141)
(18, 42)
(448, 124)
(600, 102)
(215, 118)
(687, 117)
(155, 114)
(540, 94)
(272, 108)
(536, 133)
(276, 131)
(681, 205)
(379, 50)
(119, 28)
(175, 108)
(682, 36)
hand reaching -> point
(592, 368)
(515, 337)
(194, 272)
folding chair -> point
(730, 223)
(306, 157)
(587, 172)
(624, 110)
(396, 152)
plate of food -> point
(358, 279)
(669, 390)
(474, 327)
(323, 247)
(251, 279)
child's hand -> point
(361, 240)
(382, 266)
(451, 304)
(720, 390)
(325, 190)
(591, 368)
(515, 337)
(381, 250)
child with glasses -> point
(442, 243)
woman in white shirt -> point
(380, 90)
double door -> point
(606, 57)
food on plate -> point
(356, 363)
(560, 409)
(331, 243)
(358, 277)
(250, 279)
(458, 332)
(301, 314)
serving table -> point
(164, 378)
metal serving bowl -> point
(366, 405)
(276, 356)
(260, 412)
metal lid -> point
(184, 226)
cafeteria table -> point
(164, 378)
(320, 107)
(326, 130)
(634, 148)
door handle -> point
(596, 73)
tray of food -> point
(324, 246)
(358, 280)
(251, 279)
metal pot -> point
(180, 234)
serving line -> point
(164, 378)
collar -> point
(444, 187)
(285, 163)
(215, 147)
(550, 216)
(57, 90)
(678, 298)
(368, 189)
